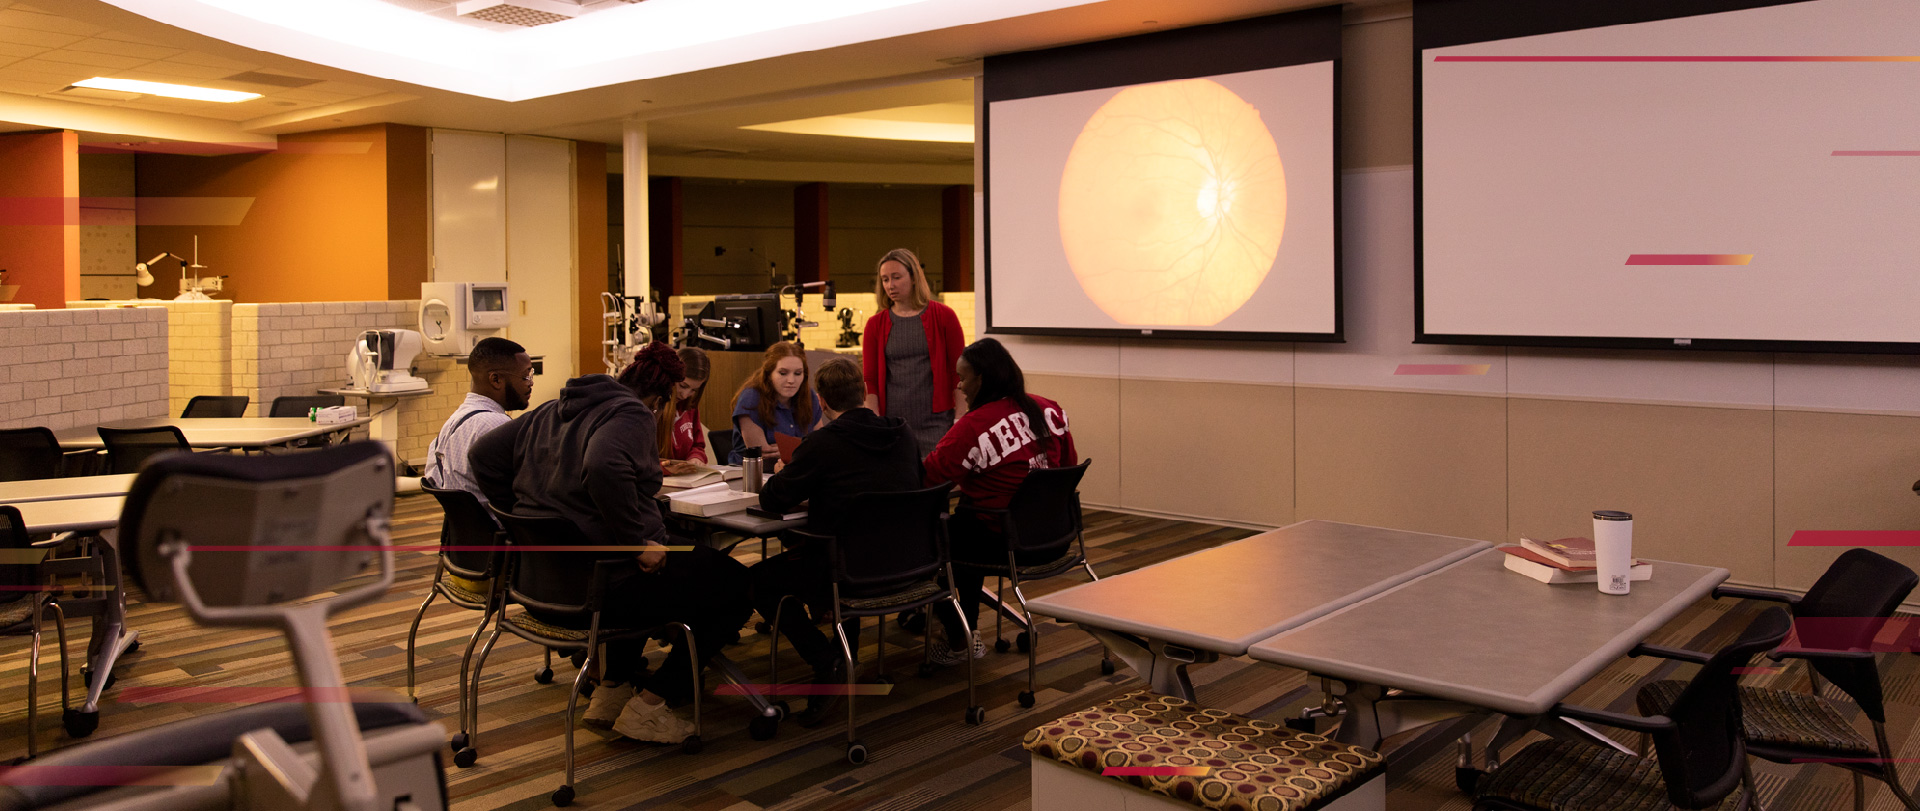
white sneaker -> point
(607, 703)
(642, 721)
(942, 653)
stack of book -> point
(711, 500)
(1568, 560)
(702, 476)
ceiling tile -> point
(18, 51)
(10, 84)
(209, 60)
(181, 70)
(93, 60)
(308, 94)
(344, 88)
(20, 16)
(114, 46)
(70, 71)
(44, 39)
(122, 36)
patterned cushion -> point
(1556, 775)
(17, 612)
(533, 625)
(466, 591)
(1033, 570)
(1255, 765)
(908, 597)
(1777, 717)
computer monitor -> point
(758, 314)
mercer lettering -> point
(1022, 425)
(1009, 438)
(984, 456)
(1056, 422)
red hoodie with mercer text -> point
(990, 449)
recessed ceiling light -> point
(949, 123)
(176, 91)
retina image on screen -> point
(1198, 206)
(1743, 177)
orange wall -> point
(40, 216)
(319, 228)
(590, 258)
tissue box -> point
(334, 414)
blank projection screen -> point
(1743, 177)
(1174, 185)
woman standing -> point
(775, 400)
(909, 351)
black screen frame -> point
(1275, 41)
(1446, 23)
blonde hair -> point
(921, 292)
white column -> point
(633, 193)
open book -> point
(704, 476)
(711, 500)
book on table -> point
(1525, 561)
(794, 514)
(704, 475)
(712, 500)
(1576, 552)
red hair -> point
(762, 382)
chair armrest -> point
(1754, 594)
(56, 541)
(1816, 653)
(1637, 723)
(1664, 652)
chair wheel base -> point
(543, 675)
(856, 753)
(1026, 699)
(912, 621)
(976, 715)
(1002, 646)
(578, 658)
(586, 690)
(86, 676)
(763, 727)
(466, 757)
(1306, 725)
(563, 796)
(458, 742)
(80, 724)
(692, 745)
(927, 670)
(1106, 667)
(1466, 778)
(883, 679)
(782, 710)
(132, 649)
(763, 628)
(1024, 641)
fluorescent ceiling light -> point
(176, 91)
(945, 123)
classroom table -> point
(1474, 638)
(251, 433)
(739, 523)
(68, 488)
(111, 638)
(1196, 608)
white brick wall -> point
(69, 368)
(199, 347)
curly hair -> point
(655, 368)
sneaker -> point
(642, 721)
(943, 654)
(606, 705)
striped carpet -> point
(924, 755)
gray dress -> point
(910, 382)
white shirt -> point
(447, 465)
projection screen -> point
(1724, 174)
(1175, 185)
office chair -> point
(23, 610)
(207, 405)
(1835, 624)
(467, 524)
(128, 449)
(892, 560)
(721, 443)
(297, 405)
(29, 453)
(1700, 758)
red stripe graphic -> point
(1676, 59)
(1855, 537)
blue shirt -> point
(783, 420)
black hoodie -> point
(587, 456)
(861, 452)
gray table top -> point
(71, 514)
(214, 432)
(57, 489)
(1227, 598)
(1479, 634)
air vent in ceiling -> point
(518, 12)
(273, 79)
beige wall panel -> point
(1842, 471)
(1093, 414)
(1175, 462)
(1421, 462)
(1699, 481)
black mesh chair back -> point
(1844, 610)
(1702, 756)
(900, 540)
(1044, 513)
(722, 444)
(208, 405)
(29, 453)
(296, 406)
(467, 524)
(555, 583)
(128, 449)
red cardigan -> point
(944, 343)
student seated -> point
(589, 457)
(684, 448)
(856, 451)
(1004, 433)
(775, 400)
(502, 381)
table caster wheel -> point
(1026, 699)
(1024, 641)
(1466, 778)
(458, 742)
(1002, 646)
(763, 727)
(80, 724)
(1106, 667)
(976, 715)
(692, 745)
(856, 753)
(466, 757)
(1306, 725)
(543, 675)
(563, 796)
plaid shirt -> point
(447, 465)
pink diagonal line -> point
(1876, 153)
(1689, 258)
(1854, 537)
(1676, 59)
(1442, 368)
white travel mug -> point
(1613, 551)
